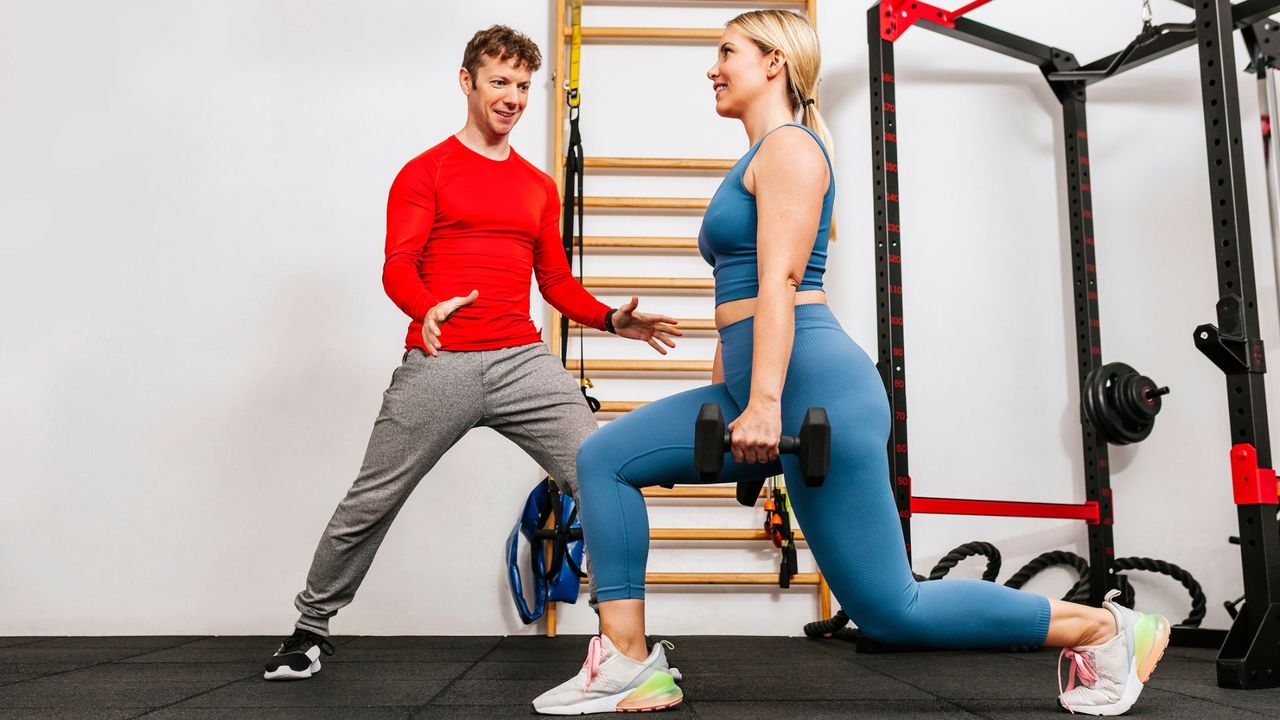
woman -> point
(782, 351)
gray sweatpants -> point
(522, 392)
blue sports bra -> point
(727, 238)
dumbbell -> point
(813, 446)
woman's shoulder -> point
(792, 150)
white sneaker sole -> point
(284, 672)
(606, 704)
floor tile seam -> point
(408, 709)
(93, 665)
(822, 647)
(878, 701)
(943, 700)
(199, 694)
(166, 648)
(1205, 699)
(978, 713)
(437, 662)
(115, 682)
(459, 676)
(1026, 658)
(851, 659)
(238, 662)
(38, 639)
(7, 683)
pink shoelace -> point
(595, 656)
(1082, 663)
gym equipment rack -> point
(1250, 654)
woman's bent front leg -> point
(649, 446)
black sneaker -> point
(298, 657)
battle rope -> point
(1079, 591)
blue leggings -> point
(850, 522)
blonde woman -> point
(782, 351)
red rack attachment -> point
(1253, 485)
(898, 15)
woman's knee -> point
(596, 461)
(892, 622)
(891, 628)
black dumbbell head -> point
(815, 446)
(709, 441)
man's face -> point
(496, 96)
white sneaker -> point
(1112, 674)
(609, 681)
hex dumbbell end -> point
(709, 442)
(815, 447)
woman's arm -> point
(790, 178)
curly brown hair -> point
(501, 43)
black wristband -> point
(608, 321)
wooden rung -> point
(690, 366)
(646, 203)
(694, 578)
(650, 283)
(620, 406)
(693, 491)
(691, 324)
(606, 241)
(712, 534)
(646, 33)
(636, 163)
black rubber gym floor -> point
(468, 678)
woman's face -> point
(741, 73)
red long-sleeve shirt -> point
(458, 221)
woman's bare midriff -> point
(736, 310)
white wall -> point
(195, 338)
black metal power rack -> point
(1250, 655)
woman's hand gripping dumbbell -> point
(813, 447)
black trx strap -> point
(574, 172)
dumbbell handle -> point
(786, 444)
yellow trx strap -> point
(575, 51)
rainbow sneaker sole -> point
(658, 692)
(1150, 638)
(612, 682)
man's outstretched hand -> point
(436, 317)
(653, 329)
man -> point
(467, 222)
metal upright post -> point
(1084, 290)
(892, 350)
(1250, 657)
